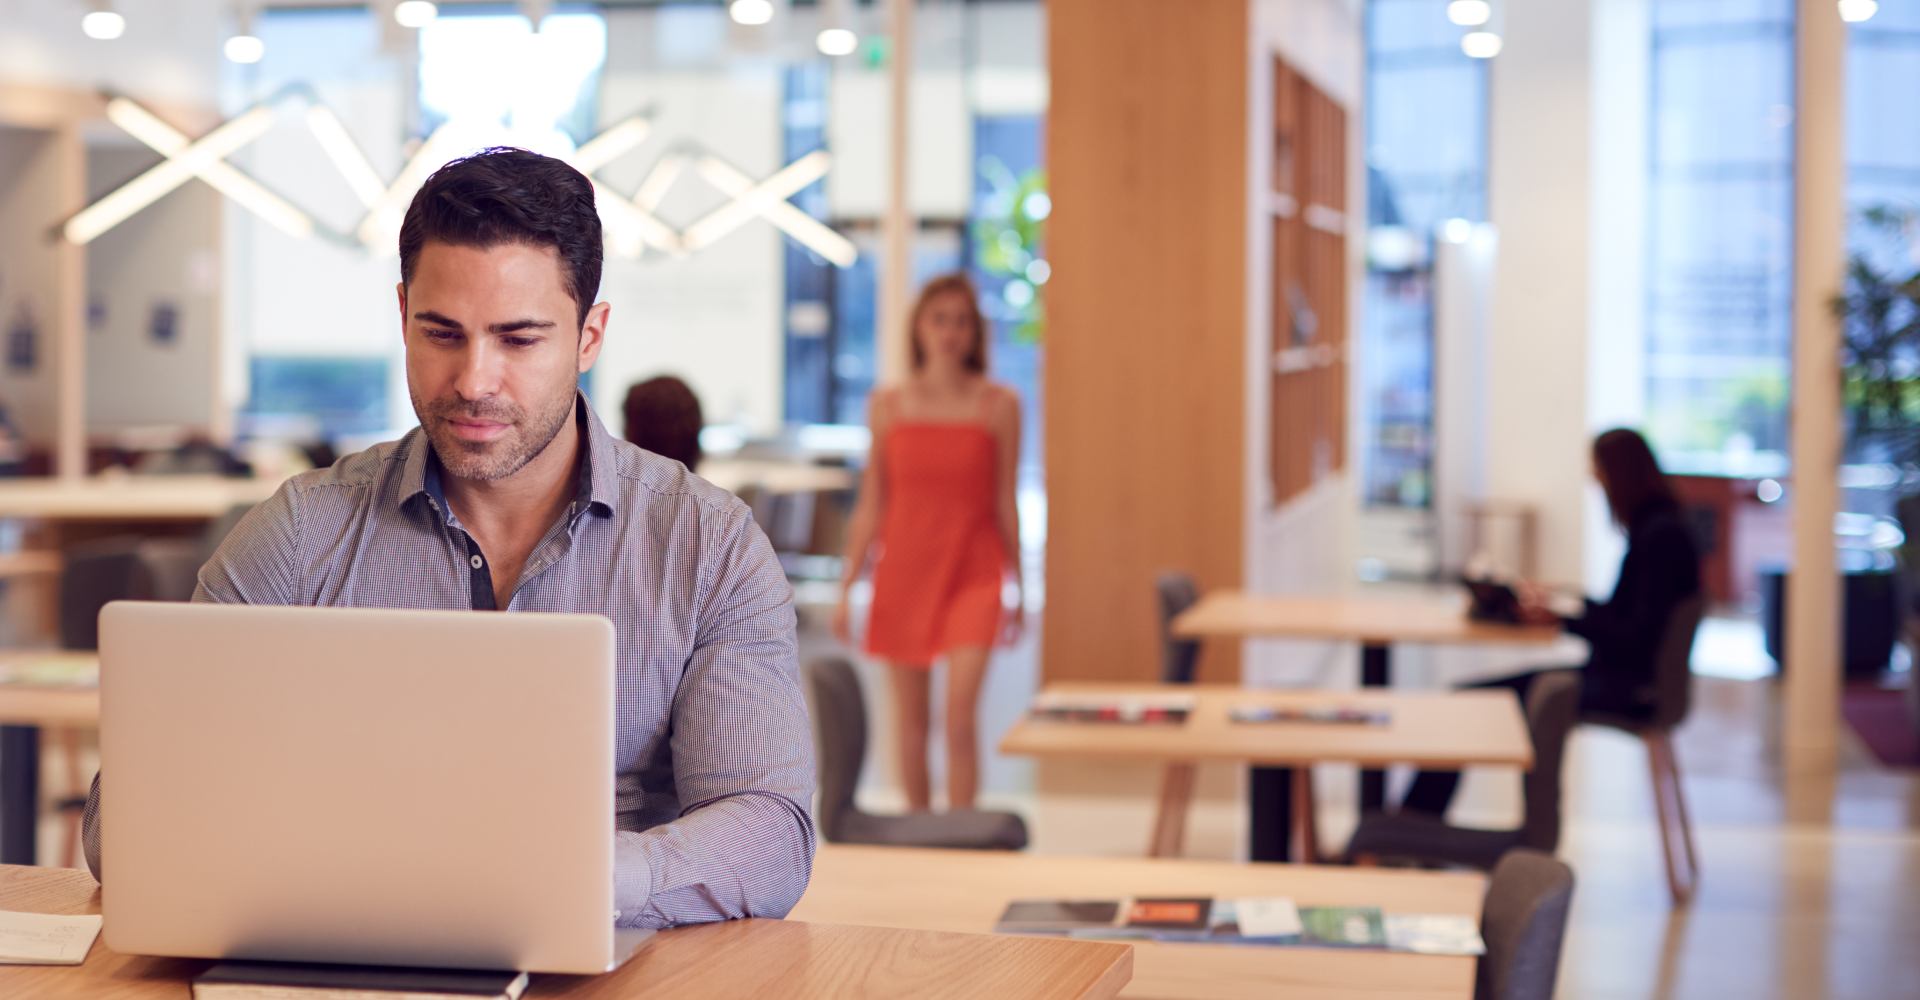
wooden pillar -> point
(1812, 686)
(1145, 381)
(69, 323)
(896, 266)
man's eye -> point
(519, 341)
(442, 336)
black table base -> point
(1270, 789)
(19, 794)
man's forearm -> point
(746, 855)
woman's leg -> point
(1432, 791)
(910, 692)
(966, 672)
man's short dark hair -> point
(507, 195)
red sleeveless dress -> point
(936, 583)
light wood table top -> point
(1440, 729)
(736, 474)
(967, 890)
(739, 958)
(1370, 620)
(59, 705)
(129, 498)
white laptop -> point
(359, 786)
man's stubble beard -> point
(486, 461)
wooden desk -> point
(129, 498)
(1438, 729)
(736, 474)
(1376, 623)
(741, 958)
(966, 891)
(1370, 621)
(1444, 730)
(24, 709)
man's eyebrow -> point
(517, 325)
(429, 316)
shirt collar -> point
(420, 470)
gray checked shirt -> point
(714, 755)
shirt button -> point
(477, 562)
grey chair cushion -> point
(840, 737)
(1523, 923)
(1418, 838)
(968, 829)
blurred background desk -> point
(1440, 729)
(38, 690)
(1377, 624)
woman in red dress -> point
(936, 516)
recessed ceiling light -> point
(837, 42)
(415, 13)
(1480, 44)
(105, 25)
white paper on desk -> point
(45, 938)
(1434, 934)
(1267, 918)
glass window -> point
(1426, 136)
(1720, 234)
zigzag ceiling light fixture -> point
(632, 225)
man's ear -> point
(400, 289)
(593, 335)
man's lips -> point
(476, 430)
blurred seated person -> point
(13, 450)
(198, 455)
(1661, 571)
(663, 416)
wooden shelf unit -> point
(1307, 209)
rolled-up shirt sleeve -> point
(742, 758)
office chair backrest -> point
(1673, 664)
(1179, 658)
(1523, 923)
(121, 568)
(1553, 706)
(840, 734)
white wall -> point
(713, 318)
(170, 52)
(1617, 351)
(323, 296)
(29, 200)
(168, 254)
(1538, 200)
(1308, 544)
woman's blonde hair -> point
(957, 282)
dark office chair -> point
(1523, 922)
(1416, 838)
(1672, 699)
(1179, 662)
(95, 573)
(840, 732)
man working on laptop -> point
(512, 496)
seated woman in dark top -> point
(663, 416)
(1660, 572)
